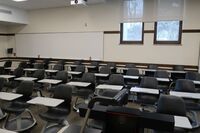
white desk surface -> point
(144, 90)
(88, 66)
(182, 122)
(10, 68)
(130, 77)
(149, 70)
(50, 81)
(7, 76)
(9, 96)
(74, 72)
(71, 65)
(26, 78)
(110, 87)
(46, 101)
(51, 71)
(163, 79)
(185, 94)
(196, 82)
(101, 75)
(171, 71)
(30, 69)
(79, 84)
(6, 131)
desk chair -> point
(132, 82)
(23, 64)
(112, 66)
(58, 67)
(147, 99)
(61, 62)
(76, 63)
(2, 114)
(193, 76)
(175, 76)
(8, 64)
(95, 69)
(2, 70)
(79, 68)
(151, 73)
(85, 92)
(56, 117)
(39, 66)
(162, 74)
(46, 63)
(129, 66)
(103, 70)
(114, 79)
(39, 74)
(16, 119)
(18, 72)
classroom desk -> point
(79, 84)
(89, 66)
(185, 94)
(46, 101)
(25, 79)
(145, 90)
(50, 81)
(163, 79)
(74, 72)
(51, 65)
(6, 131)
(109, 87)
(196, 82)
(9, 96)
(101, 75)
(182, 122)
(7, 76)
(172, 71)
(30, 69)
(130, 77)
(10, 68)
(51, 71)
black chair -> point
(132, 82)
(171, 105)
(39, 65)
(18, 72)
(18, 107)
(162, 84)
(152, 66)
(151, 73)
(2, 71)
(178, 68)
(8, 64)
(39, 74)
(46, 63)
(77, 63)
(177, 75)
(56, 117)
(58, 67)
(128, 66)
(85, 92)
(23, 64)
(79, 68)
(2, 114)
(112, 66)
(144, 98)
(103, 70)
(193, 76)
(61, 62)
(94, 69)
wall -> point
(106, 17)
(3, 40)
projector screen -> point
(61, 45)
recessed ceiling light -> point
(19, 0)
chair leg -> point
(75, 104)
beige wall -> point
(3, 41)
(106, 17)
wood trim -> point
(5, 34)
(111, 32)
(191, 31)
(148, 31)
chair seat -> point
(15, 107)
(55, 115)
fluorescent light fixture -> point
(78, 2)
(19, 0)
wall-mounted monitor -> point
(9, 50)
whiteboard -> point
(61, 45)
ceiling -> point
(39, 4)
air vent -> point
(5, 11)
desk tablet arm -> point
(193, 118)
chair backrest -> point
(111, 64)
(191, 75)
(8, 64)
(152, 66)
(25, 88)
(18, 72)
(130, 66)
(178, 68)
(105, 70)
(149, 82)
(171, 105)
(116, 79)
(88, 77)
(62, 62)
(58, 67)
(64, 92)
(39, 65)
(2, 81)
(22, 64)
(62, 75)
(161, 74)
(77, 62)
(2, 70)
(184, 85)
(132, 72)
(39, 74)
(80, 68)
(95, 63)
